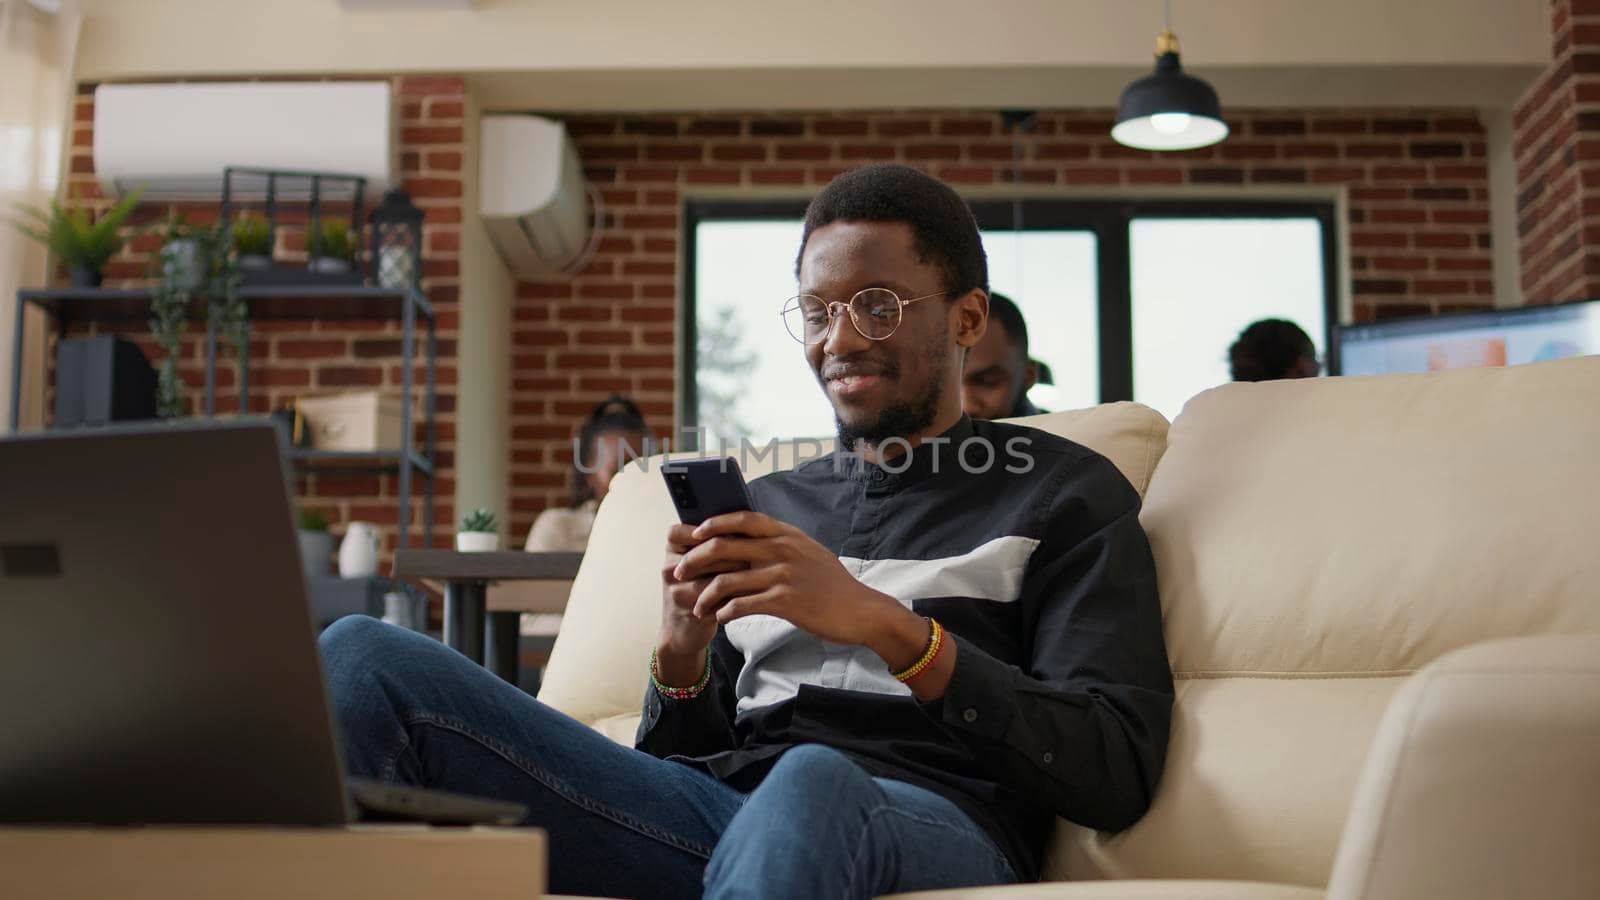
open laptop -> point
(157, 658)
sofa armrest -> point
(1483, 780)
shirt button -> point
(1049, 758)
(970, 714)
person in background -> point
(1271, 349)
(613, 431)
(998, 373)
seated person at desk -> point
(614, 433)
(895, 677)
(998, 373)
(1272, 349)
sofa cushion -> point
(1483, 779)
(1365, 526)
(599, 666)
(1317, 541)
(620, 728)
(1259, 779)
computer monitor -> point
(1501, 337)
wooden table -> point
(485, 637)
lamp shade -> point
(1169, 110)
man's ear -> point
(1030, 375)
(969, 318)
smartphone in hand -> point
(703, 488)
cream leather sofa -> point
(1382, 604)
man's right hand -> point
(681, 647)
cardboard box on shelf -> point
(358, 421)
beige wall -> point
(650, 54)
(36, 66)
(483, 359)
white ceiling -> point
(709, 54)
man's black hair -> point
(942, 227)
(1004, 311)
(1268, 350)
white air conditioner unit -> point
(532, 195)
(175, 139)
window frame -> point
(1108, 219)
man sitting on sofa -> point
(894, 677)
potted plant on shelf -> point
(252, 241)
(195, 263)
(478, 532)
(331, 247)
(316, 544)
(81, 244)
(187, 254)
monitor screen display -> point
(1503, 337)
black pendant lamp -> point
(1169, 110)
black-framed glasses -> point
(875, 313)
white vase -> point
(477, 541)
(189, 263)
(358, 553)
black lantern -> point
(396, 242)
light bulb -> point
(1170, 123)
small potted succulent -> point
(478, 532)
(316, 544)
(331, 247)
(80, 244)
(187, 255)
(252, 241)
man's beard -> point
(900, 419)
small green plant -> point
(252, 236)
(478, 520)
(75, 239)
(332, 240)
(178, 229)
(313, 520)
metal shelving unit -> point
(67, 306)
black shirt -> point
(1024, 407)
(1061, 697)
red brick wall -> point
(289, 359)
(1417, 185)
(1557, 152)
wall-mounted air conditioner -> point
(175, 139)
(532, 195)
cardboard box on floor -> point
(253, 863)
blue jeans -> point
(623, 823)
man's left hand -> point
(794, 578)
(790, 576)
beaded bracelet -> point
(934, 660)
(935, 644)
(679, 693)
